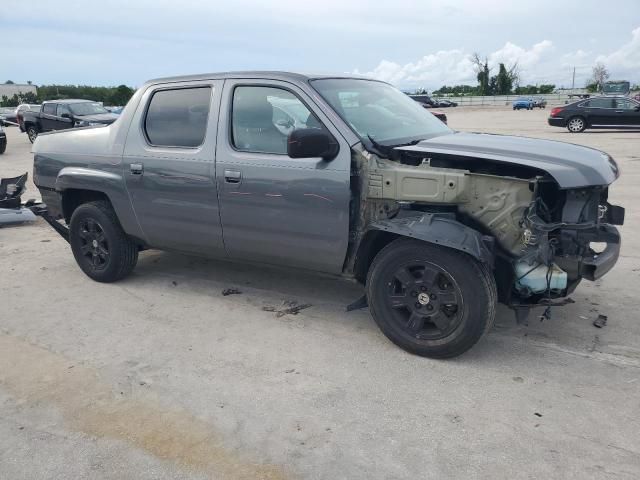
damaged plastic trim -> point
(441, 229)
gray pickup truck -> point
(341, 175)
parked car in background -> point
(64, 114)
(597, 112)
(637, 97)
(3, 139)
(445, 103)
(426, 100)
(436, 113)
(20, 113)
(116, 110)
(8, 114)
(540, 103)
(439, 115)
(521, 103)
(372, 187)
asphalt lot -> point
(160, 376)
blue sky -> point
(410, 43)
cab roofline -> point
(257, 74)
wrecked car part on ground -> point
(341, 175)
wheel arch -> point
(435, 229)
(77, 185)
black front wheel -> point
(101, 248)
(429, 300)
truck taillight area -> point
(555, 111)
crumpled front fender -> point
(443, 230)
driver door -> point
(276, 209)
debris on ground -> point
(600, 322)
(230, 291)
(174, 283)
(288, 307)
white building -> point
(11, 89)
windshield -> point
(378, 111)
(88, 108)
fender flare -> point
(108, 183)
(443, 230)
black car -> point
(597, 112)
(425, 100)
(444, 103)
(63, 114)
(3, 140)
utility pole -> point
(573, 81)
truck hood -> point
(572, 166)
(106, 118)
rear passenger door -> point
(600, 111)
(627, 111)
(169, 167)
(277, 209)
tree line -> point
(115, 96)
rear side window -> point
(178, 118)
(601, 103)
(49, 108)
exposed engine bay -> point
(545, 236)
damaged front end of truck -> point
(536, 212)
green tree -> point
(9, 82)
(504, 82)
(546, 88)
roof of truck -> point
(70, 100)
(274, 75)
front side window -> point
(49, 108)
(178, 118)
(63, 109)
(625, 104)
(601, 103)
(87, 108)
(379, 112)
(263, 117)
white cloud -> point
(452, 67)
(446, 66)
(624, 63)
(541, 63)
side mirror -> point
(312, 142)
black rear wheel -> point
(101, 248)
(576, 124)
(32, 133)
(430, 300)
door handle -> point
(136, 169)
(232, 176)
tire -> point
(101, 248)
(3, 146)
(32, 133)
(576, 124)
(407, 285)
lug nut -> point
(433, 296)
(424, 289)
(429, 307)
